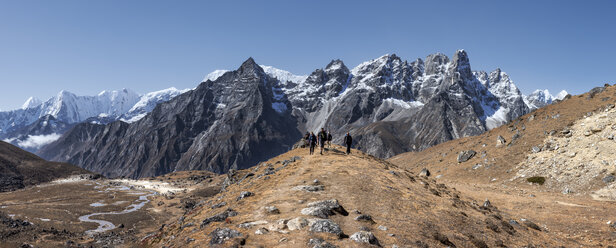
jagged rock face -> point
(391, 106)
(230, 123)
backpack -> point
(323, 135)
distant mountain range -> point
(237, 118)
(37, 123)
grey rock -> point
(536, 149)
(487, 204)
(272, 210)
(364, 237)
(219, 205)
(309, 188)
(567, 191)
(464, 156)
(220, 235)
(530, 224)
(219, 217)
(324, 209)
(244, 194)
(609, 179)
(477, 166)
(252, 224)
(424, 173)
(319, 243)
(364, 217)
(382, 228)
(324, 225)
(297, 223)
(261, 231)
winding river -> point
(104, 225)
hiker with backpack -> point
(348, 141)
(306, 140)
(312, 141)
(322, 139)
(329, 139)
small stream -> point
(104, 225)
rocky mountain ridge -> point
(390, 106)
(229, 123)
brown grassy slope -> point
(19, 168)
(414, 209)
(498, 162)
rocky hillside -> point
(335, 200)
(230, 123)
(566, 147)
(19, 168)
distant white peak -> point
(283, 75)
(561, 95)
(214, 75)
(31, 102)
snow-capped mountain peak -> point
(540, 98)
(214, 75)
(148, 101)
(31, 103)
(282, 75)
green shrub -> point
(538, 180)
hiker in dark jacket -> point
(312, 141)
(329, 139)
(322, 139)
(348, 141)
(306, 139)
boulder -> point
(297, 224)
(464, 156)
(424, 173)
(319, 243)
(364, 217)
(220, 235)
(325, 226)
(364, 237)
(324, 209)
(219, 217)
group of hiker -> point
(325, 138)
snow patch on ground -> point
(160, 187)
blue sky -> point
(89, 46)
